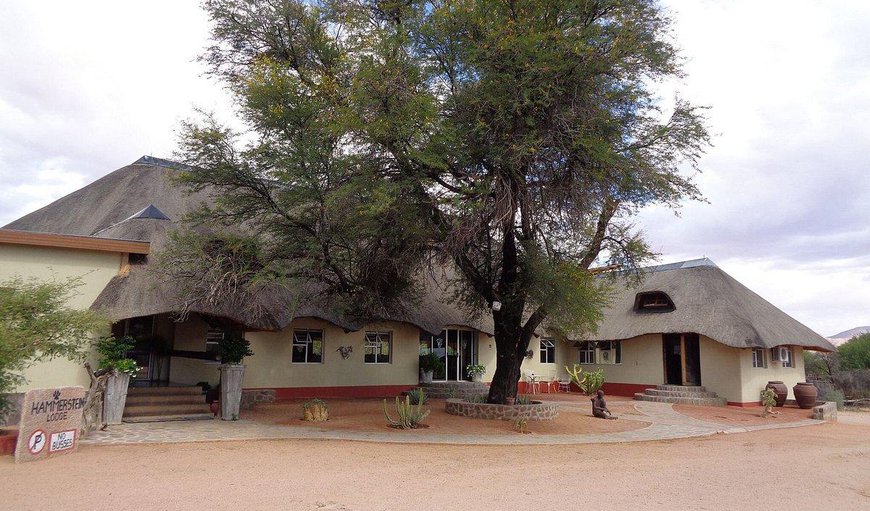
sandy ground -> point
(368, 415)
(749, 416)
(816, 467)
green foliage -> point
(431, 362)
(418, 396)
(855, 353)
(509, 141)
(768, 398)
(589, 382)
(520, 425)
(113, 354)
(36, 324)
(233, 348)
(475, 369)
(409, 416)
(523, 400)
(832, 394)
(476, 399)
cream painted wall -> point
(486, 356)
(271, 364)
(93, 268)
(756, 378)
(720, 369)
(641, 362)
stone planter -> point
(426, 376)
(805, 394)
(231, 390)
(781, 391)
(477, 378)
(116, 397)
(536, 410)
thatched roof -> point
(709, 302)
(141, 202)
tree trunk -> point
(511, 345)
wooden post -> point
(683, 356)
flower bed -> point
(536, 410)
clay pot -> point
(805, 394)
(781, 391)
(215, 407)
(8, 439)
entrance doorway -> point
(682, 359)
(455, 348)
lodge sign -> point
(50, 422)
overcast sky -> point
(88, 87)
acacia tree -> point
(508, 141)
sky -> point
(88, 87)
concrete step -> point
(678, 393)
(170, 418)
(683, 388)
(164, 391)
(699, 401)
(137, 400)
(166, 409)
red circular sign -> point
(36, 442)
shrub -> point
(590, 382)
(523, 400)
(315, 410)
(476, 399)
(475, 369)
(233, 348)
(832, 394)
(768, 400)
(855, 353)
(113, 354)
(431, 362)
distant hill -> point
(842, 337)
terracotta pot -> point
(781, 391)
(215, 407)
(8, 439)
(805, 394)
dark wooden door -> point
(692, 360)
(672, 350)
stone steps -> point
(158, 404)
(453, 389)
(680, 394)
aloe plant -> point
(410, 416)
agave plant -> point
(410, 416)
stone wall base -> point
(250, 398)
(826, 411)
(536, 411)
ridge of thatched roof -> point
(707, 301)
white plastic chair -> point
(565, 384)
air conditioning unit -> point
(780, 353)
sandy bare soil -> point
(817, 467)
(749, 416)
(368, 415)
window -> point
(758, 358)
(785, 356)
(548, 351)
(609, 352)
(587, 353)
(212, 339)
(378, 347)
(307, 347)
(653, 301)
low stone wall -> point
(826, 411)
(536, 411)
(251, 397)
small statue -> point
(599, 407)
(345, 351)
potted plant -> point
(429, 363)
(475, 371)
(233, 348)
(113, 358)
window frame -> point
(586, 351)
(308, 344)
(613, 350)
(547, 350)
(789, 360)
(374, 340)
(213, 337)
(763, 353)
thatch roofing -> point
(142, 202)
(709, 302)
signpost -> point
(50, 423)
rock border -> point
(536, 410)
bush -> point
(855, 353)
(233, 348)
(113, 355)
(832, 394)
(431, 362)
